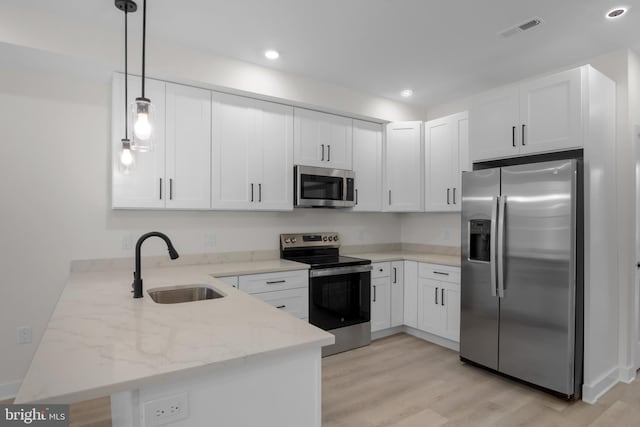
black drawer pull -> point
(281, 306)
(276, 281)
(441, 273)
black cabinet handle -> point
(454, 195)
(356, 196)
(395, 275)
(328, 153)
(252, 192)
(260, 193)
(442, 297)
(322, 159)
(436, 296)
(448, 197)
(441, 273)
(281, 306)
(170, 188)
(374, 293)
(160, 188)
(513, 136)
(523, 142)
(389, 197)
(276, 281)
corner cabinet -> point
(403, 168)
(322, 139)
(536, 116)
(252, 154)
(367, 165)
(446, 141)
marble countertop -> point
(101, 341)
(431, 258)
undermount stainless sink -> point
(183, 293)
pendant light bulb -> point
(142, 119)
(127, 161)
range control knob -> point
(330, 238)
(287, 240)
(293, 240)
(335, 238)
(324, 239)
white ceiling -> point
(443, 50)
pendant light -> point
(127, 160)
(142, 110)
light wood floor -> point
(401, 381)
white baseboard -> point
(386, 332)
(592, 392)
(451, 345)
(9, 390)
(627, 375)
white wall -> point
(55, 190)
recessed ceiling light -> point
(616, 12)
(407, 93)
(272, 54)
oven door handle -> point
(335, 271)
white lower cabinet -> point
(286, 290)
(411, 293)
(380, 303)
(397, 293)
(439, 301)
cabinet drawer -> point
(381, 269)
(293, 301)
(442, 273)
(267, 282)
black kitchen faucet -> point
(137, 275)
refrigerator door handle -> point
(502, 203)
(493, 245)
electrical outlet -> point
(166, 410)
(24, 335)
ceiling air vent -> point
(512, 31)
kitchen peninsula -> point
(232, 360)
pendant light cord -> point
(126, 77)
(144, 39)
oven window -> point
(321, 187)
(340, 300)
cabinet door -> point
(451, 317)
(144, 186)
(323, 140)
(410, 274)
(380, 304)
(429, 306)
(188, 148)
(551, 113)
(275, 135)
(404, 178)
(441, 164)
(233, 167)
(397, 293)
(367, 165)
(493, 125)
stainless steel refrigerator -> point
(521, 295)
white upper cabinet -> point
(445, 141)
(252, 154)
(188, 147)
(322, 139)
(232, 166)
(145, 186)
(537, 116)
(551, 113)
(274, 130)
(367, 165)
(404, 177)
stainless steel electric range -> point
(339, 288)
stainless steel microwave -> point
(323, 187)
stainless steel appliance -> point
(323, 187)
(521, 302)
(339, 288)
